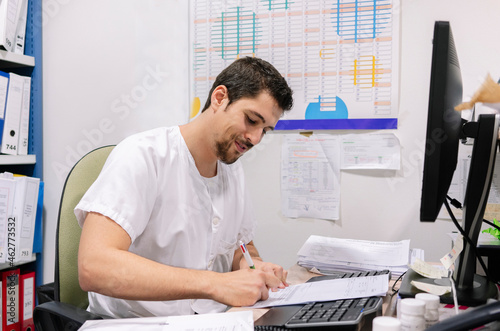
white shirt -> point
(151, 187)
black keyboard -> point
(339, 274)
(345, 314)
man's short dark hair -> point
(248, 77)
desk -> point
(298, 275)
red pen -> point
(246, 255)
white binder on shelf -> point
(7, 192)
(24, 213)
(4, 85)
(21, 27)
(10, 135)
(9, 18)
(24, 121)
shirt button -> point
(216, 220)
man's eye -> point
(250, 120)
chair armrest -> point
(56, 315)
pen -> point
(246, 255)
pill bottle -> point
(386, 323)
(412, 315)
(431, 314)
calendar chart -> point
(340, 58)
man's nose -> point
(254, 136)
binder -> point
(24, 215)
(7, 192)
(21, 27)
(10, 135)
(4, 85)
(9, 17)
(27, 301)
(38, 239)
(10, 300)
(24, 121)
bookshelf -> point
(29, 64)
(17, 159)
(11, 60)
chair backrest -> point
(84, 173)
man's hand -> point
(246, 286)
(277, 270)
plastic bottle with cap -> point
(412, 315)
(431, 314)
(386, 323)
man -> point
(160, 225)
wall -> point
(112, 68)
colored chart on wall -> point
(340, 57)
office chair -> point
(68, 310)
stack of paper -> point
(327, 255)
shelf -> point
(17, 159)
(8, 265)
(10, 60)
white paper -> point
(431, 288)
(450, 258)
(427, 270)
(241, 320)
(371, 151)
(326, 290)
(310, 176)
(328, 250)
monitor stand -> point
(478, 295)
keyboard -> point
(340, 274)
(344, 314)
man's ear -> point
(219, 97)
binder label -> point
(28, 298)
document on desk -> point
(330, 250)
(241, 321)
(336, 254)
(327, 290)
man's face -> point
(244, 123)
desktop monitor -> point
(445, 129)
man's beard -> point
(224, 149)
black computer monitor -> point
(445, 129)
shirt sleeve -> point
(126, 188)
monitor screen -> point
(443, 123)
(445, 129)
